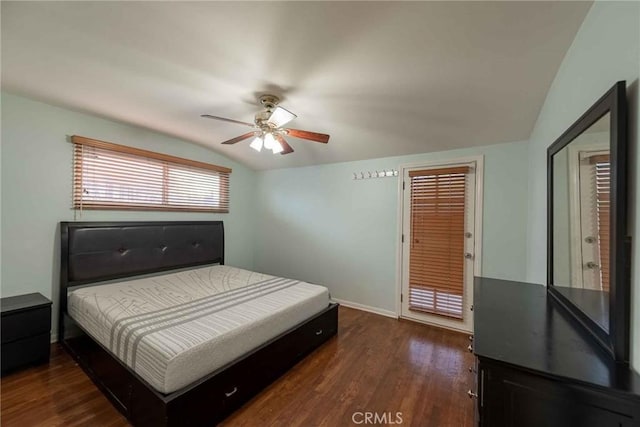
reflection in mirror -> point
(581, 238)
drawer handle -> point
(319, 332)
(470, 348)
(232, 392)
(472, 395)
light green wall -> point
(318, 224)
(606, 49)
(36, 190)
(561, 220)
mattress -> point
(176, 328)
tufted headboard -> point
(98, 251)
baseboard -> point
(363, 307)
(437, 325)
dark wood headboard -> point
(98, 251)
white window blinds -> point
(112, 176)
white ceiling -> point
(383, 78)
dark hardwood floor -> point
(375, 364)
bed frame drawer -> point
(227, 390)
(316, 331)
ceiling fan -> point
(269, 132)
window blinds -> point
(112, 176)
(436, 258)
(603, 212)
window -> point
(112, 176)
(437, 245)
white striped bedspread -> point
(176, 328)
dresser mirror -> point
(588, 247)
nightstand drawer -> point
(28, 351)
(25, 323)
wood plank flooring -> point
(375, 364)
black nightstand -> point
(26, 331)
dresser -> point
(536, 367)
(26, 331)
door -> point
(439, 243)
(589, 195)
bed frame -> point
(99, 251)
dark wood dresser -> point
(26, 331)
(536, 367)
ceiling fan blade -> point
(311, 136)
(286, 148)
(239, 138)
(280, 117)
(209, 116)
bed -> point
(169, 333)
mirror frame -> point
(616, 339)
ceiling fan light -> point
(277, 147)
(256, 144)
(269, 141)
(280, 117)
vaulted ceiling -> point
(383, 78)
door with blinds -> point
(590, 206)
(439, 244)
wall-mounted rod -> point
(384, 173)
